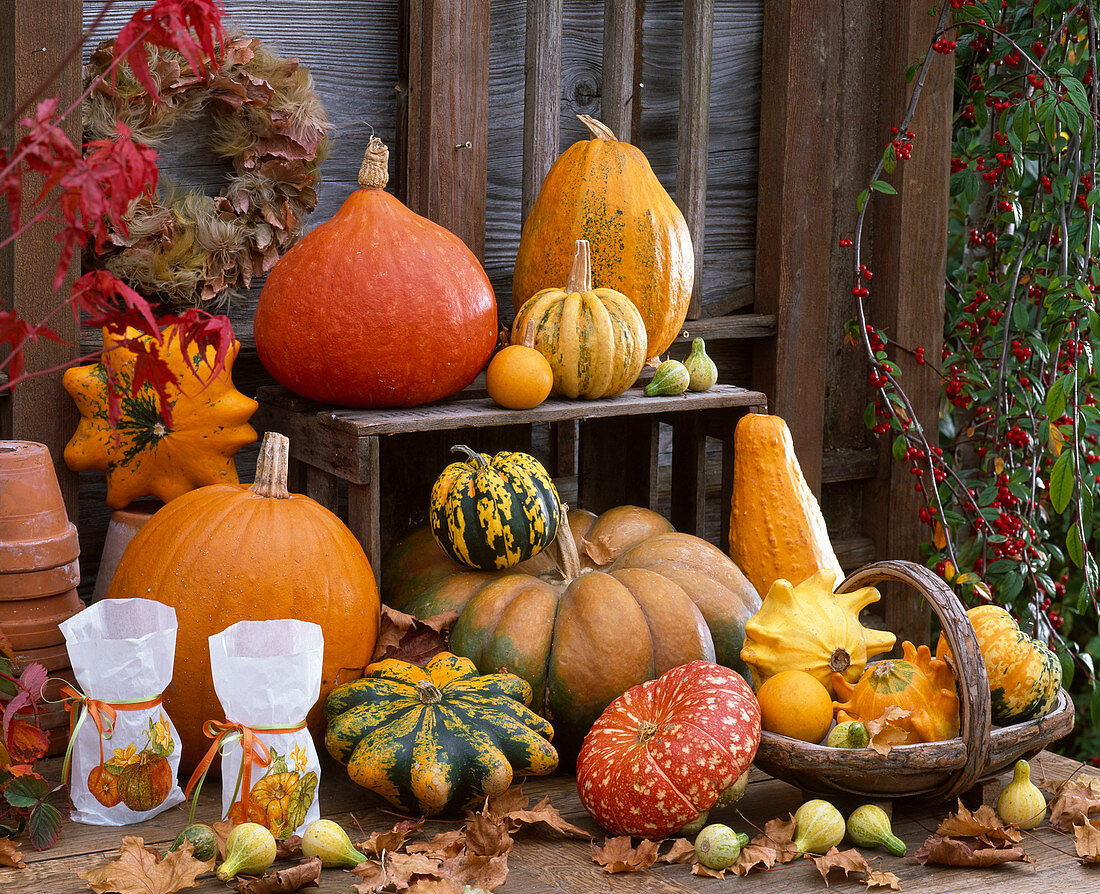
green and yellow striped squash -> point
(604, 190)
(430, 740)
(593, 339)
(634, 598)
(493, 514)
(1024, 675)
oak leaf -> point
(10, 855)
(620, 855)
(1086, 839)
(956, 852)
(876, 878)
(392, 840)
(140, 870)
(847, 861)
(1073, 803)
(983, 824)
(682, 851)
(284, 881)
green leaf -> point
(1011, 585)
(1056, 401)
(44, 826)
(1066, 660)
(1021, 123)
(889, 158)
(899, 448)
(883, 187)
(26, 791)
(1074, 548)
(861, 200)
(1061, 482)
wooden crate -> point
(388, 459)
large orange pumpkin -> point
(377, 307)
(605, 191)
(228, 553)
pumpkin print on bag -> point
(139, 779)
(279, 800)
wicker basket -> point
(931, 770)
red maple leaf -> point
(109, 302)
(198, 331)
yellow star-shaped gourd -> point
(145, 454)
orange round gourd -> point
(377, 307)
(605, 191)
(796, 704)
(228, 553)
(519, 377)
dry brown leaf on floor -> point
(983, 824)
(487, 836)
(402, 868)
(620, 855)
(755, 856)
(410, 639)
(391, 840)
(435, 886)
(508, 801)
(955, 852)
(10, 855)
(443, 846)
(288, 848)
(284, 881)
(476, 870)
(1073, 803)
(778, 834)
(682, 851)
(544, 812)
(847, 861)
(140, 870)
(374, 876)
(884, 731)
(876, 878)
(700, 869)
(221, 832)
(1086, 839)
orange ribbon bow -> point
(102, 714)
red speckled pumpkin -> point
(663, 752)
(377, 307)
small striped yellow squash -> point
(594, 339)
(430, 740)
(1024, 675)
(493, 513)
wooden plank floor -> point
(543, 863)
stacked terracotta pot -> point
(39, 570)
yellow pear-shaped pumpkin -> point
(917, 683)
(810, 628)
(151, 452)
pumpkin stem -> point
(570, 560)
(471, 454)
(598, 129)
(840, 661)
(528, 340)
(580, 274)
(429, 694)
(272, 466)
(646, 731)
(375, 171)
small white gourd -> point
(818, 826)
(1020, 801)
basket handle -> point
(970, 675)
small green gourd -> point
(1020, 801)
(203, 841)
(702, 372)
(818, 826)
(718, 846)
(327, 840)
(249, 850)
(849, 734)
(669, 379)
(735, 792)
(869, 826)
(693, 827)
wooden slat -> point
(445, 118)
(689, 473)
(855, 552)
(541, 95)
(364, 509)
(618, 91)
(35, 38)
(909, 264)
(793, 242)
(321, 486)
(618, 463)
(738, 326)
(694, 132)
(848, 465)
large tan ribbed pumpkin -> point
(228, 553)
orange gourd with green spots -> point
(605, 191)
(918, 683)
(147, 453)
(432, 739)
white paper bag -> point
(122, 652)
(267, 675)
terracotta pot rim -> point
(43, 582)
(34, 555)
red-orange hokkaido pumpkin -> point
(377, 307)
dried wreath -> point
(185, 248)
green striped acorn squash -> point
(432, 739)
(493, 513)
(1024, 675)
(635, 599)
